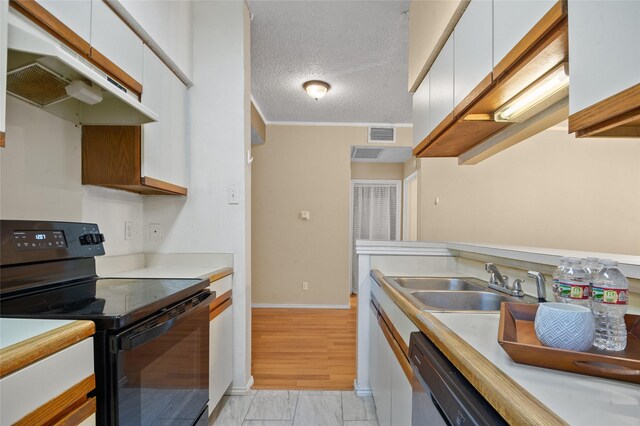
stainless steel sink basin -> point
(433, 283)
(461, 300)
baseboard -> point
(361, 391)
(240, 390)
(297, 306)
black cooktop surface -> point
(112, 303)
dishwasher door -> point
(441, 388)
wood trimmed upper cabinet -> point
(165, 141)
(604, 43)
(75, 14)
(4, 12)
(512, 20)
(114, 43)
(441, 87)
(421, 128)
(473, 56)
(112, 157)
(465, 92)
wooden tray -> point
(518, 338)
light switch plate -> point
(233, 195)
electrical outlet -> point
(305, 286)
(155, 232)
(128, 230)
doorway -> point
(375, 215)
(410, 208)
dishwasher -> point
(441, 394)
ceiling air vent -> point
(382, 134)
(359, 153)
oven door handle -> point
(133, 339)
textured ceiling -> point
(358, 47)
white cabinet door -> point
(75, 14)
(604, 50)
(512, 20)
(383, 401)
(165, 141)
(220, 356)
(441, 86)
(473, 55)
(421, 111)
(115, 40)
(4, 12)
(373, 353)
(401, 396)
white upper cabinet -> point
(164, 142)
(421, 111)
(473, 55)
(115, 40)
(604, 50)
(441, 86)
(169, 24)
(75, 14)
(512, 20)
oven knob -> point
(85, 239)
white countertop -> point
(579, 399)
(16, 330)
(168, 272)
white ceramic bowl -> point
(565, 326)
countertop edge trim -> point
(220, 273)
(31, 350)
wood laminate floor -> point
(298, 349)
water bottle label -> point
(611, 296)
(573, 290)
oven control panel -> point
(38, 240)
(28, 241)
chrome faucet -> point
(540, 285)
(500, 282)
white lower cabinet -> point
(401, 396)
(220, 356)
(220, 343)
(390, 387)
(27, 392)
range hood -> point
(44, 72)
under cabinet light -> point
(547, 90)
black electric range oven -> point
(151, 345)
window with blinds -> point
(376, 216)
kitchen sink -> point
(461, 300)
(438, 283)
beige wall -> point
(303, 168)
(392, 171)
(551, 190)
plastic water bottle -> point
(573, 286)
(557, 273)
(610, 299)
(592, 265)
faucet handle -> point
(517, 286)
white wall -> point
(219, 139)
(40, 166)
(40, 171)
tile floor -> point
(296, 408)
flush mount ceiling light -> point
(316, 88)
(549, 89)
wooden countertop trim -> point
(512, 401)
(28, 351)
(221, 274)
(58, 408)
(80, 414)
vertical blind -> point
(375, 217)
